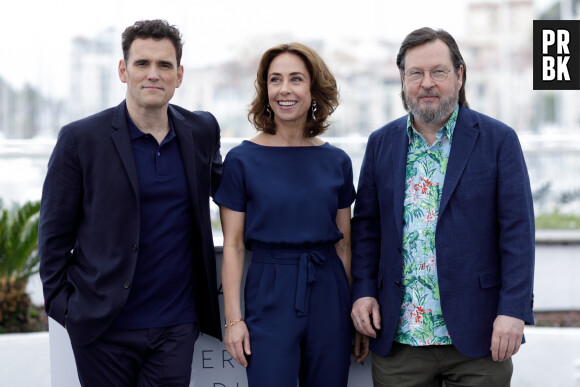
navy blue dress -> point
(297, 298)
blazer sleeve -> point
(59, 216)
(515, 214)
(366, 229)
(216, 161)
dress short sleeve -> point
(232, 191)
(347, 193)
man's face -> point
(430, 101)
(151, 73)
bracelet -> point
(232, 322)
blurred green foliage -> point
(557, 221)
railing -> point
(553, 163)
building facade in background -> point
(497, 47)
(498, 50)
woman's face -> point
(288, 84)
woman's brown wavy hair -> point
(323, 89)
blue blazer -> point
(89, 219)
(484, 238)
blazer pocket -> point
(489, 278)
(82, 263)
(476, 176)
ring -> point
(362, 320)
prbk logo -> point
(556, 54)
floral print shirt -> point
(421, 321)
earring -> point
(268, 111)
(314, 109)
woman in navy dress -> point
(286, 196)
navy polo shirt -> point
(162, 290)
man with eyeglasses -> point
(442, 233)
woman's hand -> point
(237, 340)
(236, 337)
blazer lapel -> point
(400, 145)
(187, 149)
(122, 141)
(464, 138)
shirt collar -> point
(135, 132)
(446, 130)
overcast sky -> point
(36, 34)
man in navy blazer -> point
(126, 250)
(442, 232)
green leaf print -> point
(411, 173)
(407, 257)
(419, 295)
(409, 281)
(425, 250)
(411, 213)
(428, 282)
(409, 239)
(427, 167)
(419, 335)
(436, 157)
(434, 196)
(429, 235)
(406, 338)
(439, 322)
(435, 289)
(443, 165)
(409, 268)
(417, 155)
(428, 325)
(442, 340)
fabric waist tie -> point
(306, 258)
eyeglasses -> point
(416, 75)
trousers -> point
(431, 366)
(297, 309)
(138, 357)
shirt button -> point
(135, 247)
(127, 284)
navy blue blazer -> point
(484, 239)
(89, 219)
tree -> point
(18, 261)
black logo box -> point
(573, 64)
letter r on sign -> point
(563, 40)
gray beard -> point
(433, 115)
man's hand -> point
(506, 338)
(363, 310)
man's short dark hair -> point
(428, 35)
(156, 29)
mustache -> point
(428, 94)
